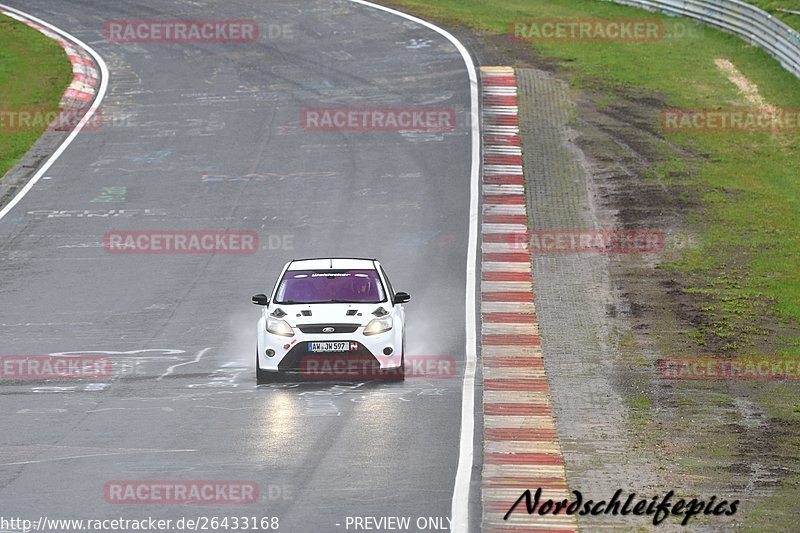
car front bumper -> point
(293, 354)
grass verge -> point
(34, 72)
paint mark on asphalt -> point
(171, 369)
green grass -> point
(34, 72)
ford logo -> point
(328, 330)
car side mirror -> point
(261, 299)
(401, 297)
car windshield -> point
(330, 286)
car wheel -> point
(262, 376)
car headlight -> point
(378, 325)
(276, 326)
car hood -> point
(329, 313)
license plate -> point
(333, 346)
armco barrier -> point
(752, 24)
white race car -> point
(331, 318)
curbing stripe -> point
(506, 276)
(518, 318)
(505, 199)
(521, 448)
(504, 209)
(500, 179)
(505, 219)
(507, 329)
(511, 340)
(508, 307)
(507, 296)
(507, 286)
(503, 258)
(496, 266)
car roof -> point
(336, 263)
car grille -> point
(337, 328)
(300, 351)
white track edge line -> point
(86, 117)
(460, 504)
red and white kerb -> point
(521, 449)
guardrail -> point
(752, 24)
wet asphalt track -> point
(208, 136)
